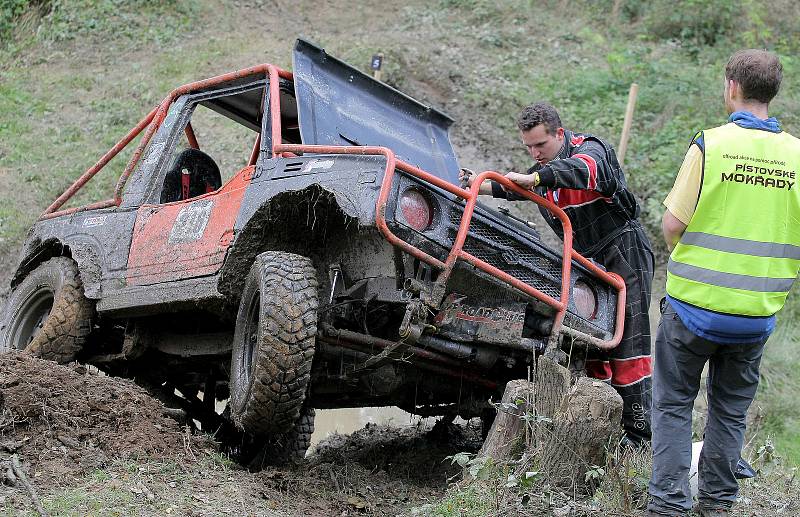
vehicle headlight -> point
(416, 209)
(585, 300)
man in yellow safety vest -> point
(732, 225)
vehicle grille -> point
(508, 255)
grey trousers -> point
(732, 381)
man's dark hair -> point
(539, 113)
(758, 72)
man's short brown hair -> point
(758, 72)
(539, 113)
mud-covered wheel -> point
(273, 344)
(47, 314)
(293, 445)
(286, 448)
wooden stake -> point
(615, 10)
(626, 126)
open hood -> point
(339, 105)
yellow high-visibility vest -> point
(740, 253)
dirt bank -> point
(101, 445)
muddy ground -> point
(92, 444)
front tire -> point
(287, 448)
(47, 314)
(273, 344)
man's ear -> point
(560, 133)
(734, 90)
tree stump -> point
(508, 428)
(577, 438)
(541, 398)
(552, 383)
(571, 424)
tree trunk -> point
(544, 395)
(571, 426)
(508, 428)
(575, 442)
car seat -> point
(193, 173)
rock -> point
(10, 478)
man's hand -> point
(467, 177)
(526, 181)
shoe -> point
(744, 470)
(653, 513)
(633, 442)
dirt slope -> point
(96, 444)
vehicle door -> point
(185, 229)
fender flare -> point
(86, 252)
(258, 233)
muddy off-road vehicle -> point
(340, 265)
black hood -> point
(339, 105)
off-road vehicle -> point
(337, 264)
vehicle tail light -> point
(416, 210)
(585, 300)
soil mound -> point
(67, 419)
(413, 454)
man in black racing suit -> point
(581, 174)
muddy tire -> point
(292, 446)
(286, 448)
(47, 314)
(273, 344)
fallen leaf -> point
(357, 502)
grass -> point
(122, 488)
(777, 396)
(473, 500)
(622, 492)
(120, 24)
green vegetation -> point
(129, 487)
(778, 416)
(586, 71)
(28, 22)
(471, 501)
(620, 488)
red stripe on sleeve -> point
(185, 184)
(630, 371)
(592, 166)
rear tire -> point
(47, 314)
(273, 344)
